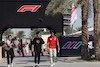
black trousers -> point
(20, 51)
(37, 54)
(10, 53)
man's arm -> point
(48, 42)
(32, 47)
(42, 47)
(9, 44)
(42, 41)
(58, 45)
(48, 47)
(33, 43)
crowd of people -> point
(38, 46)
(25, 49)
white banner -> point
(73, 15)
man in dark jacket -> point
(37, 47)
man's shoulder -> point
(8, 41)
(35, 38)
(55, 36)
(41, 38)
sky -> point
(78, 22)
(27, 31)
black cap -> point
(52, 31)
(37, 32)
(9, 36)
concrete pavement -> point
(45, 62)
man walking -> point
(16, 42)
(10, 52)
(37, 42)
(51, 43)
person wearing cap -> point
(37, 47)
(10, 52)
(51, 43)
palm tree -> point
(7, 32)
(96, 5)
(0, 37)
(33, 32)
(68, 30)
(20, 34)
(84, 50)
(58, 6)
(78, 28)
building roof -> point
(79, 32)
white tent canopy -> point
(90, 32)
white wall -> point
(45, 37)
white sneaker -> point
(11, 65)
(8, 65)
(36, 64)
(51, 65)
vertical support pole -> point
(72, 30)
(0, 49)
(22, 48)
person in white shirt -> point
(16, 42)
(10, 52)
(90, 45)
(26, 48)
(90, 49)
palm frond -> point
(58, 6)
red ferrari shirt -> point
(52, 40)
(19, 45)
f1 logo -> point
(32, 8)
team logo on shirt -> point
(37, 41)
(50, 38)
(54, 38)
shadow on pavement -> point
(33, 60)
(44, 65)
(39, 66)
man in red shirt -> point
(19, 48)
(51, 43)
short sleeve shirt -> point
(52, 40)
(37, 44)
(8, 42)
(16, 42)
